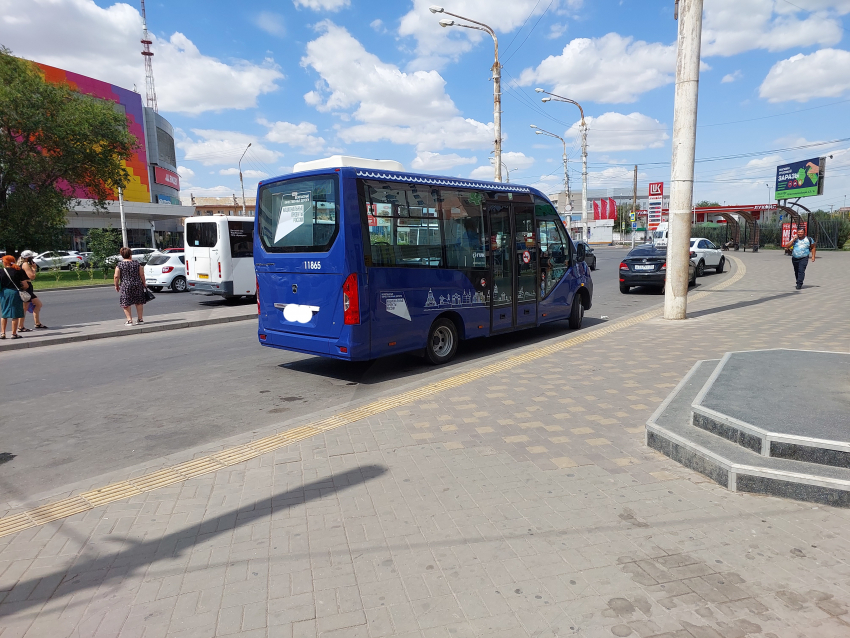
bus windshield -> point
(299, 215)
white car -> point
(706, 255)
(166, 270)
(140, 255)
(59, 259)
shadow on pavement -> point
(94, 572)
(740, 304)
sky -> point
(304, 79)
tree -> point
(705, 204)
(52, 137)
(103, 243)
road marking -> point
(204, 465)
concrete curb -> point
(123, 332)
(38, 291)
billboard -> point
(655, 203)
(166, 178)
(138, 188)
(800, 179)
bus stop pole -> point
(684, 146)
(123, 221)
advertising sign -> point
(789, 230)
(166, 178)
(654, 204)
(800, 179)
(656, 189)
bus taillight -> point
(257, 279)
(351, 301)
(219, 270)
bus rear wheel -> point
(442, 342)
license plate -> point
(641, 267)
(150, 281)
(200, 276)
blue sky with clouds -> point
(302, 79)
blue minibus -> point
(356, 259)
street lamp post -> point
(240, 178)
(497, 79)
(540, 131)
(583, 129)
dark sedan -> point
(591, 258)
(647, 266)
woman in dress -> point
(12, 280)
(27, 264)
(130, 283)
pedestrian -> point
(13, 280)
(803, 249)
(130, 283)
(27, 264)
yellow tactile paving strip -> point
(239, 454)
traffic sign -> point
(631, 216)
(634, 225)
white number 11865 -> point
(312, 265)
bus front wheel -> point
(442, 342)
(576, 313)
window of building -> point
(165, 144)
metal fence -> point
(830, 234)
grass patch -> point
(51, 279)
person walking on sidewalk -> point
(12, 281)
(27, 264)
(129, 281)
(803, 249)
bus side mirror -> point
(581, 252)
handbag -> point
(25, 296)
(149, 296)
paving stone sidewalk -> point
(520, 504)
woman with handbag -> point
(129, 281)
(13, 285)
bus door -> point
(513, 248)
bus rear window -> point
(201, 235)
(241, 238)
(299, 215)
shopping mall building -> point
(152, 208)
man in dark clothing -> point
(803, 249)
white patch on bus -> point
(396, 304)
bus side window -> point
(554, 253)
(463, 228)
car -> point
(59, 259)
(591, 258)
(140, 255)
(170, 250)
(646, 265)
(166, 271)
(707, 255)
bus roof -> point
(340, 161)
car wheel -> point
(693, 280)
(700, 268)
(442, 342)
(721, 265)
(593, 264)
(156, 288)
(179, 284)
(576, 313)
(625, 289)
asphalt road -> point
(78, 410)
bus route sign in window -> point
(299, 215)
(241, 238)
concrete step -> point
(736, 467)
(789, 404)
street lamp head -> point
(447, 23)
(532, 126)
(435, 9)
(538, 90)
(249, 144)
(538, 132)
(546, 99)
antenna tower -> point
(150, 89)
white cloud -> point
(610, 69)
(516, 161)
(730, 28)
(103, 43)
(185, 172)
(322, 5)
(212, 148)
(296, 135)
(731, 77)
(484, 172)
(378, 25)
(620, 132)
(404, 108)
(427, 161)
(824, 73)
(271, 23)
(556, 30)
(438, 45)
(247, 173)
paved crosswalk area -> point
(523, 502)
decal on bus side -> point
(396, 304)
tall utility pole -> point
(150, 89)
(583, 130)
(540, 131)
(240, 178)
(123, 220)
(497, 80)
(684, 146)
(634, 205)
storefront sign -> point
(166, 178)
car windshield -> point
(158, 260)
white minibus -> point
(220, 256)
